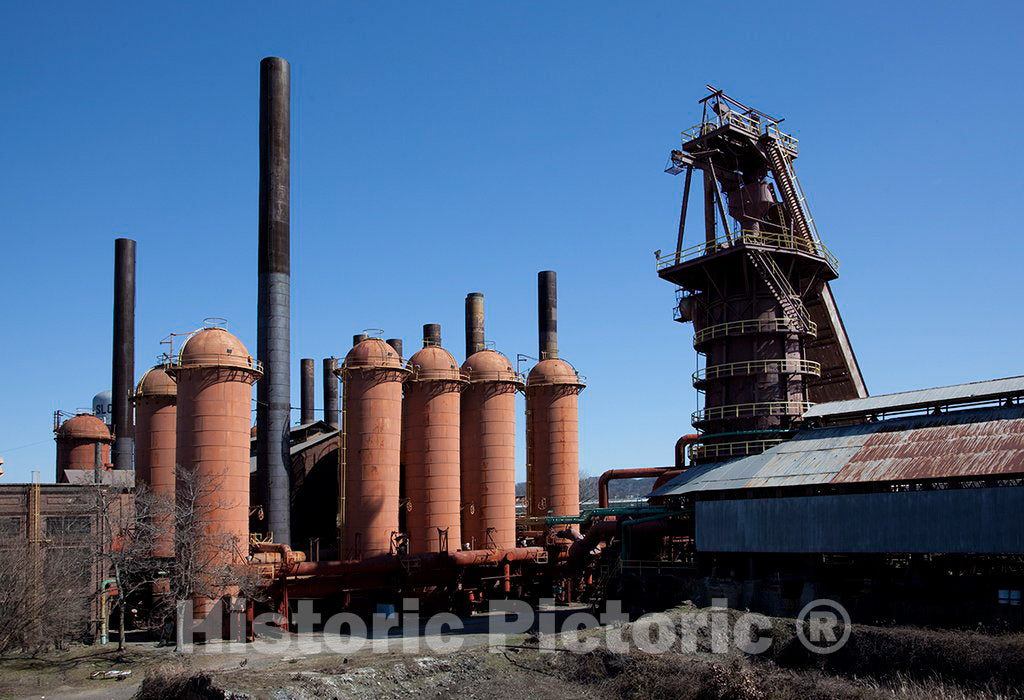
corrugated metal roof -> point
(906, 400)
(300, 447)
(961, 444)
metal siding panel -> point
(956, 521)
(942, 394)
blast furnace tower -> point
(756, 287)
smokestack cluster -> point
(123, 370)
(273, 393)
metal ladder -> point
(599, 593)
(782, 290)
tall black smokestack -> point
(330, 392)
(123, 369)
(273, 392)
(396, 345)
(547, 314)
(306, 387)
(474, 323)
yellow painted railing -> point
(749, 410)
(736, 369)
(722, 450)
(767, 239)
(755, 325)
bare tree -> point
(45, 589)
(131, 528)
(208, 565)
(588, 488)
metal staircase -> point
(782, 290)
(792, 193)
(833, 349)
(602, 587)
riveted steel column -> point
(547, 314)
(273, 393)
(123, 369)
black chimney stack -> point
(474, 323)
(431, 334)
(306, 388)
(123, 370)
(330, 392)
(547, 314)
(273, 392)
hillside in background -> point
(617, 490)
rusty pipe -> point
(603, 531)
(681, 444)
(644, 472)
(616, 474)
(388, 562)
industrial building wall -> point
(971, 520)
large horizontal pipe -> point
(617, 474)
(436, 560)
(645, 472)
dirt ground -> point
(879, 663)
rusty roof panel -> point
(961, 450)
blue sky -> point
(442, 148)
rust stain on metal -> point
(945, 451)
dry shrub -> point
(172, 686)
(679, 677)
(967, 659)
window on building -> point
(68, 525)
(1009, 596)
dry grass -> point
(638, 676)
